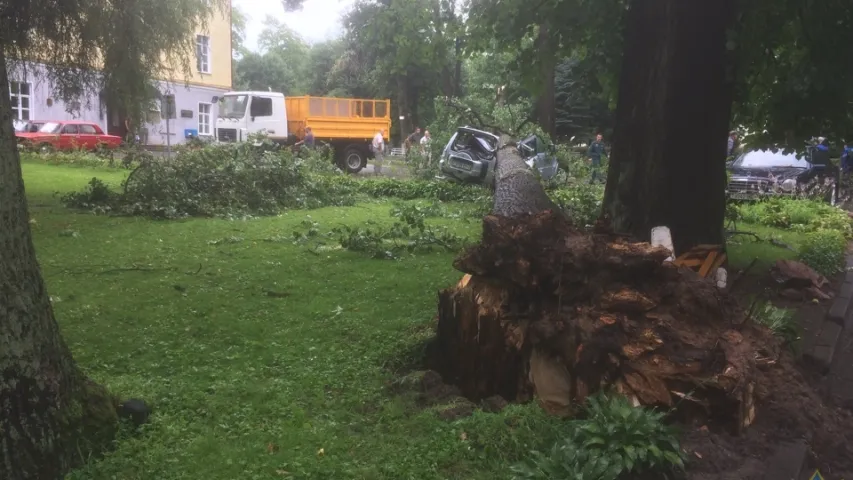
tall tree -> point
(238, 32)
(668, 160)
(404, 41)
(536, 34)
(51, 415)
(582, 100)
(321, 61)
(281, 65)
(795, 62)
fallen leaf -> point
(463, 436)
(272, 448)
(282, 472)
(703, 428)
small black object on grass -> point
(135, 410)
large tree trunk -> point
(51, 415)
(668, 161)
(404, 107)
(551, 311)
(546, 103)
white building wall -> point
(39, 103)
(190, 100)
(42, 104)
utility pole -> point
(170, 107)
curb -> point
(838, 312)
(788, 461)
(822, 351)
(821, 348)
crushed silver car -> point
(470, 156)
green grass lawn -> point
(743, 249)
(248, 385)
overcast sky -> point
(317, 21)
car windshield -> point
(50, 127)
(771, 159)
(234, 106)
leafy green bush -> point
(796, 214)
(224, 180)
(581, 200)
(824, 251)
(124, 157)
(97, 196)
(613, 439)
(442, 190)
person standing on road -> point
(378, 147)
(596, 150)
(425, 143)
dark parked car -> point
(757, 173)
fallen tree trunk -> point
(549, 311)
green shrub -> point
(125, 157)
(244, 179)
(796, 214)
(224, 180)
(613, 439)
(581, 200)
(824, 250)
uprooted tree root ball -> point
(559, 314)
(549, 312)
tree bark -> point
(403, 106)
(669, 146)
(546, 103)
(51, 415)
(517, 188)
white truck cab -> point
(245, 113)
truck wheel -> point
(354, 160)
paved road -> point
(396, 171)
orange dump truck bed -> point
(337, 118)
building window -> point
(204, 119)
(202, 53)
(19, 93)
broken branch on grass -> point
(772, 241)
(109, 269)
(742, 274)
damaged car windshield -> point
(771, 159)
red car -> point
(70, 135)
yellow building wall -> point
(219, 31)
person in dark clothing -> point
(413, 139)
(596, 150)
(308, 141)
(847, 159)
